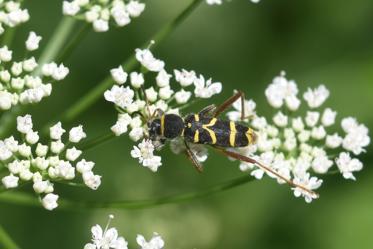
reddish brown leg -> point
(265, 168)
(226, 104)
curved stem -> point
(97, 141)
(29, 200)
(6, 241)
(91, 97)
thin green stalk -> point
(57, 41)
(69, 48)
(91, 97)
(54, 46)
(97, 141)
(30, 200)
(8, 36)
(6, 241)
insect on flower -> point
(205, 127)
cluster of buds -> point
(29, 160)
(11, 14)
(137, 103)
(108, 239)
(19, 81)
(299, 145)
(102, 13)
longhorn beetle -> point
(206, 128)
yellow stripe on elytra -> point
(211, 132)
(162, 125)
(232, 134)
(196, 136)
(249, 135)
(196, 117)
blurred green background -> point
(242, 45)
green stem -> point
(29, 200)
(56, 42)
(69, 48)
(8, 36)
(91, 97)
(6, 241)
(96, 141)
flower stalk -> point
(6, 241)
(24, 199)
(91, 97)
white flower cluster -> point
(219, 2)
(29, 160)
(19, 83)
(109, 239)
(131, 102)
(11, 14)
(296, 146)
(104, 12)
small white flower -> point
(163, 78)
(56, 131)
(347, 166)
(57, 146)
(156, 242)
(70, 8)
(182, 96)
(118, 74)
(10, 181)
(100, 25)
(328, 117)
(165, 92)
(333, 141)
(280, 119)
(206, 89)
(312, 118)
(146, 58)
(32, 42)
(144, 153)
(76, 134)
(356, 139)
(5, 54)
(137, 79)
(281, 90)
(41, 150)
(249, 110)
(24, 124)
(214, 2)
(84, 166)
(5, 152)
(5, 100)
(184, 77)
(119, 95)
(72, 154)
(91, 180)
(29, 65)
(136, 134)
(135, 8)
(32, 137)
(50, 201)
(151, 94)
(315, 98)
(297, 124)
(60, 72)
(121, 126)
(318, 133)
(308, 182)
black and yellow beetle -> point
(206, 128)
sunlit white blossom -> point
(103, 14)
(27, 159)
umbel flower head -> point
(20, 82)
(170, 93)
(303, 146)
(28, 160)
(11, 14)
(108, 238)
(104, 13)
